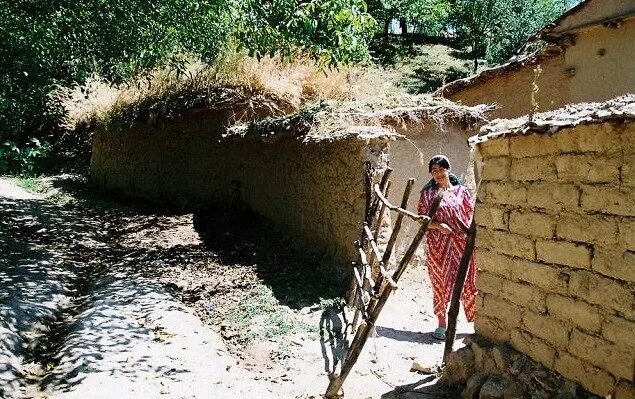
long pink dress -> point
(444, 252)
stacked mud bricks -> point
(556, 248)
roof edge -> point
(546, 53)
(550, 122)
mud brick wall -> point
(556, 248)
(312, 191)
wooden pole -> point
(368, 215)
(382, 270)
(380, 216)
(365, 329)
(377, 223)
(382, 186)
(368, 188)
(458, 288)
(398, 221)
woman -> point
(446, 238)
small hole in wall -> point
(602, 52)
(570, 72)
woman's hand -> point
(444, 228)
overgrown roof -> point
(338, 120)
(620, 108)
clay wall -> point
(556, 248)
(312, 191)
(596, 68)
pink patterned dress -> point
(444, 252)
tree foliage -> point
(497, 29)
(59, 42)
(426, 16)
(332, 31)
(45, 43)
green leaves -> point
(333, 32)
(47, 43)
(497, 29)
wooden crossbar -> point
(377, 254)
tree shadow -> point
(73, 301)
(333, 338)
(295, 275)
(426, 79)
(387, 51)
(426, 388)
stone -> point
(493, 388)
(473, 386)
(422, 366)
(567, 391)
(459, 366)
(502, 358)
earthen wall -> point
(556, 248)
(314, 191)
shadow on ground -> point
(54, 256)
(296, 277)
(411, 336)
(235, 238)
(421, 389)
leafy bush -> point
(52, 43)
(23, 160)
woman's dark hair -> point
(440, 160)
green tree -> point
(426, 16)
(331, 31)
(497, 29)
(45, 43)
(519, 20)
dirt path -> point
(99, 300)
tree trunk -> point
(404, 26)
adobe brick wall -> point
(556, 248)
(314, 191)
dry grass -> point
(372, 118)
(168, 92)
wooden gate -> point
(372, 283)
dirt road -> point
(105, 301)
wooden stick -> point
(382, 186)
(414, 216)
(368, 189)
(380, 216)
(356, 297)
(458, 288)
(367, 272)
(398, 221)
(352, 292)
(377, 222)
(382, 269)
(364, 331)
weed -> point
(257, 315)
(30, 184)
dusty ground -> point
(103, 300)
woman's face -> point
(439, 173)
